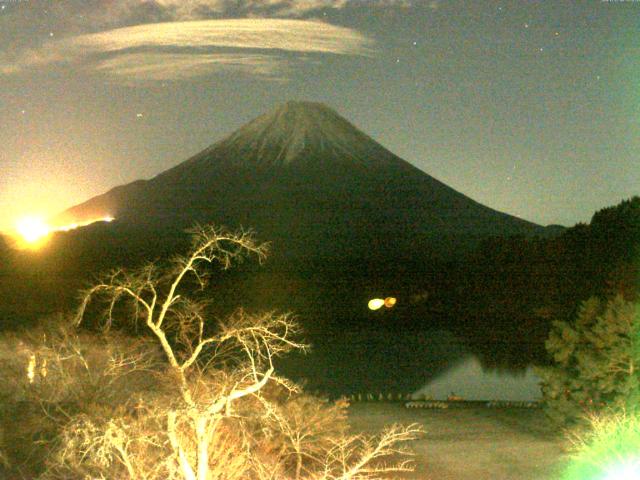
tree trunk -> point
(183, 461)
(203, 447)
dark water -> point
(386, 361)
(354, 350)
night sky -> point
(528, 107)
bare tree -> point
(178, 322)
(194, 425)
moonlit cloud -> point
(174, 50)
(86, 16)
(292, 35)
(110, 12)
(135, 68)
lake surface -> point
(403, 361)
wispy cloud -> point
(174, 50)
(94, 15)
(136, 68)
(140, 11)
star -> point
(526, 25)
(139, 115)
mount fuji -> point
(315, 186)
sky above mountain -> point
(531, 108)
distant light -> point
(378, 303)
(66, 228)
(375, 303)
(73, 226)
(32, 229)
(31, 368)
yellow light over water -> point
(378, 303)
(375, 303)
(32, 229)
(390, 302)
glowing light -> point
(375, 303)
(43, 369)
(31, 368)
(66, 228)
(609, 450)
(32, 229)
(624, 471)
(378, 303)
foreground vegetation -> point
(592, 390)
(147, 382)
(186, 398)
(472, 443)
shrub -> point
(54, 372)
(596, 361)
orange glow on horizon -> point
(32, 231)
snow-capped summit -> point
(296, 133)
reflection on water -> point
(470, 381)
(432, 361)
(375, 362)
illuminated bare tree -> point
(195, 425)
(178, 322)
(323, 450)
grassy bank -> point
(472, 443)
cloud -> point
(106, 14)
(174, 50)
(136, 68)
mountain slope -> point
(313, 184)
(347, 219)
